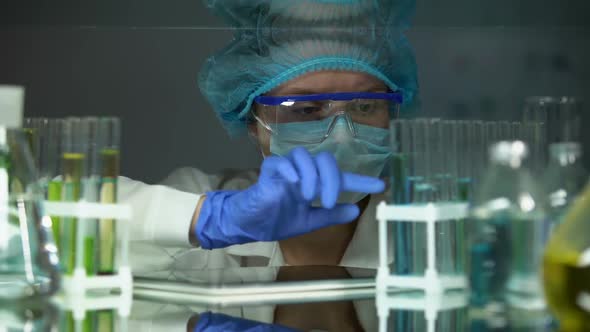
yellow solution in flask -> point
(566, 268)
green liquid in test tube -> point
(73, 165)
(75, 138)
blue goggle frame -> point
(339, 96)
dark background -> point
(139, 60)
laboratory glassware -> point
(564, 178)
(507, 234)
(424, 170)
(28, 260)
(110, 136)
(74, 159)
(566, 267)
(562, 116)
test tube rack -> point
(79, 283)
(432, 282)
(431, 304)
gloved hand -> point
(210, 322)
(278, 206)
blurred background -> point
(139, 60)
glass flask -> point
(566, 267)
(28, 259)
(507, 235)
(564, 178)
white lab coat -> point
(163, 214)
(160, 238)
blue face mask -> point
(367, 153)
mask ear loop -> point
(254, 120)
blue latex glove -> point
(210, 322)
(278, 206)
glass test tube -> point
(405, 183)
(534, 134)
(516, 131)
(480, 152)
(50, 169)
(464, 142)
(90, 193)
(74, 136)
(444, 157)
(31, 130)
(110, 129)
(504, 131)
(567, 123)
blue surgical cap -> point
(276, 41)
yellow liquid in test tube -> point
(108, 194)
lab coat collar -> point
(363, 249)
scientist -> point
(315, 83)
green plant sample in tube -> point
(73, 164)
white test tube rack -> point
(431, 304)
(432, 282)
(75, 287)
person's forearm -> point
(192, 235)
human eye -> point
(366, 107)
(306, 110)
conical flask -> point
(28, 260)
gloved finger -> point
(362, 183)
(329, 178)
(274, 165)
(339, 214)
(308, 172)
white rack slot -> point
(432, 282)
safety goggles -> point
(358, 108)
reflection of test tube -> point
(110, 133)
(73, 168)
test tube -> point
(399, 166)
(74, 136)
(465, 142)
(90, 193)
(30, 129)
(542, 109)
(504, 131)
(409, 175)
(50, 169)
(402, 186)
(110, 131)
(480, 152)
(516, 131)
(568, 121)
